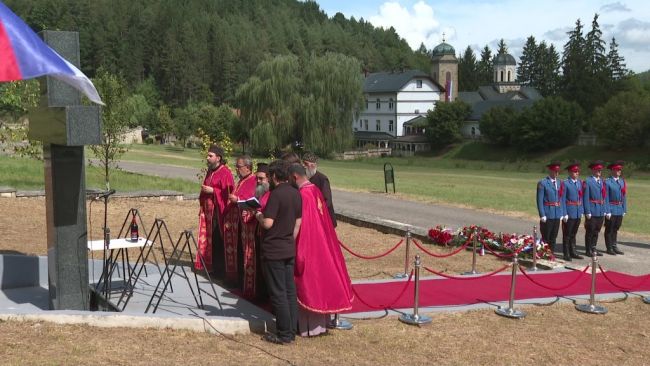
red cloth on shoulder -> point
(322, 281)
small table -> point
(121, 245)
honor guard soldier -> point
(573, 211)
(595, 204)
(616, 194)
(549, 204)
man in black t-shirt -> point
(281, 222)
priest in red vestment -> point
(239, 230)
(216, 186)
(323, 285)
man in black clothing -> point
(281, 221)
(320, 180)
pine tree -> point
(468, 71)
(485, 67)
(616, 62)
(575, 76)
(527, 62)
(549, 70)
(597, 66)
(503, 49)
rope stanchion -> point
(406, 256)
(510, 312)
(592, 308)
(573, 282)
(441, 274)
(534, 268)
(416, 318)
(387, 306)
(422, 248)
(340, 324)
(473, 271)
(645, 278)
(374, 256)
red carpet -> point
(451, 292)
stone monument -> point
(64, 126)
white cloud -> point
(558, 34)
(633, 33)
(617, 6)
(417, 25)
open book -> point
(249, 204)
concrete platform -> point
(24, 296)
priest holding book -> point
(239, 230)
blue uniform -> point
(594, 201)
(548, 199)
(616, 198)
(572, 198)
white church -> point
(397, 102)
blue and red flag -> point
(24, 55)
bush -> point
(496, 125)
(445, 122)
(624, 121)
(549, 124)
(148, 140)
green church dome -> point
(504, 59)
(443, 49)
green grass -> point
(506, 182)
(27, 174)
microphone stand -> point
(107, 241)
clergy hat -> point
(554, 166)
(617, 165)
(263, 168)
(596, 165)
(215, 149)
(573, 167)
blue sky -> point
(476, 23)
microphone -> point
(104, 194)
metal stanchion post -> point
(592, 308)
(534, 267)
(416, 318)
(406, 257)
(510, 312)
(473, 271)
(338, 323)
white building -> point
(393, 99)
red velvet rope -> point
(467, 243)
(389, 306)
(645, 278)
(467, 278)
(509, 255)
(530, 278)
(374, 256)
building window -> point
(378, 125)
(360, 125)
(365, 124)
(391, 125)
(378, 104)
(418, 83)
(417, 111)
(501, 75)
(509, 75)
(390, 104)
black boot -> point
(616, 250)
(574, 254)
(566, 252)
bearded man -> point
(320, 180)
(323, 285)
(213, 198)
(239, 228)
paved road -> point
(425, 215)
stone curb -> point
(215, 325)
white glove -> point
(623, 213)
(542, 219)
(588, 216)
(608, 216)
(565, 218)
